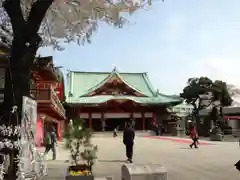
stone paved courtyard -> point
(209, 162)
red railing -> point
(48, 95)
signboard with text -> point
(28, 131)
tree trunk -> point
(24, 47)
(17, 85)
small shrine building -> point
(106, 100)
(47, 88)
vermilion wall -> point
(59, 131)
(39, 132)
(60, 90)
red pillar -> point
(90, 120)
(39, 132)
(59, 131)
(143, 121)
(154, 118)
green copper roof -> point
(82, 83)
(142, 87)
(79, 84)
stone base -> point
(141, 171)
(216, 137)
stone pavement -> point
(209, 162)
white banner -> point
(115, 115)
(29, 114)
(28, 131)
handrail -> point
(56, 100)
(41, 94)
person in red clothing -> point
(193, 135)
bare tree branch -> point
(37, 13)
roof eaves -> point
(148, 82)
(114, 72)
(139, 100)
(135, 89)
(98, 85)
(169, 96)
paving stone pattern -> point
(209, 162)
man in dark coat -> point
(128, 140)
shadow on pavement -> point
(186, 148)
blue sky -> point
(172, 41)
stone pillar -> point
(90, 120)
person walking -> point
(50, 142)
(128, 140)
(115, 132)
(194, 136)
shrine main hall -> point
(106, 100)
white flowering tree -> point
(25, 25)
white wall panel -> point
(116, 115)
(148, 115)
(84, 115)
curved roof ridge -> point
(148, 82)
(105, 72)
(119, 75)
(99, 84)
(114, 72)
